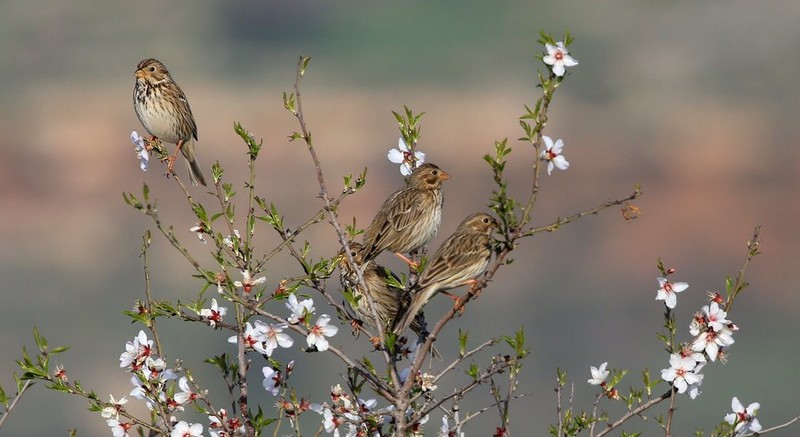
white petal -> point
(736, 406)
(395, 156)
(548, 142)
(401, 144)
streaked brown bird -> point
(459, 261)
(387, 298)
(164, 111)
(410, 217)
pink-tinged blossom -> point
(253, 337)
(247, 283)
(681, 372)
(200, 230)
(275, 337)
(558, 58)
(300, 310)
(402, 155)
(552, 154)
(214, 314)
(743, 419)
(118, 429)
(667, 291)
(184, 429)
(136, 352)
(710, 342)
(318, 332)
(272, 380)
(156, 370)
(715, 317)
(186, 394)
(216, 427)
(599, 374)
(112, 411)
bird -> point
(410, 217)
(459, 260)
(381, 289)
(164, 111)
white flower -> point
(214, 314)
(681, 372)
(272, 380)
(136, 351)
(118, 429)
(711, 342)
(141, 151)
(112, 411)
(247, 283)
(427, 382)
(743, 419)
(199, 229)
(157, 370)
(275, 337)
(318, 332)
(300, 310)
(186, 394)
(183, 429)
(599, 374)
(330, 422)
(558, 58)
(694, 389)
(402, 155)
(715, 317)
(228, 241)
(254, 337)
(552, 154)
(667, 291)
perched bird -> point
(164, 111)
(410, 217)
(462, 257)
(386, 297)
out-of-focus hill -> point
(695, 102)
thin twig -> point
(13, 404)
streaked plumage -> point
(388, 299)
(462, 257)
(164, 111)
(410, 217)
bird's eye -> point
(486, 220)
(435, 172)
(353, 253)
(152, 69)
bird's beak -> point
(444, 176)
(139, 74)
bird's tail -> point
(417, 302)
(195, 173)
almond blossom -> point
(558, 58)
(552, 154)
(320, 330)
(402, 155)
(667, 291)
(743, 419)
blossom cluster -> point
(712, 333)
(154, 383)
(345, 410)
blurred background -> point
(694, 101)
